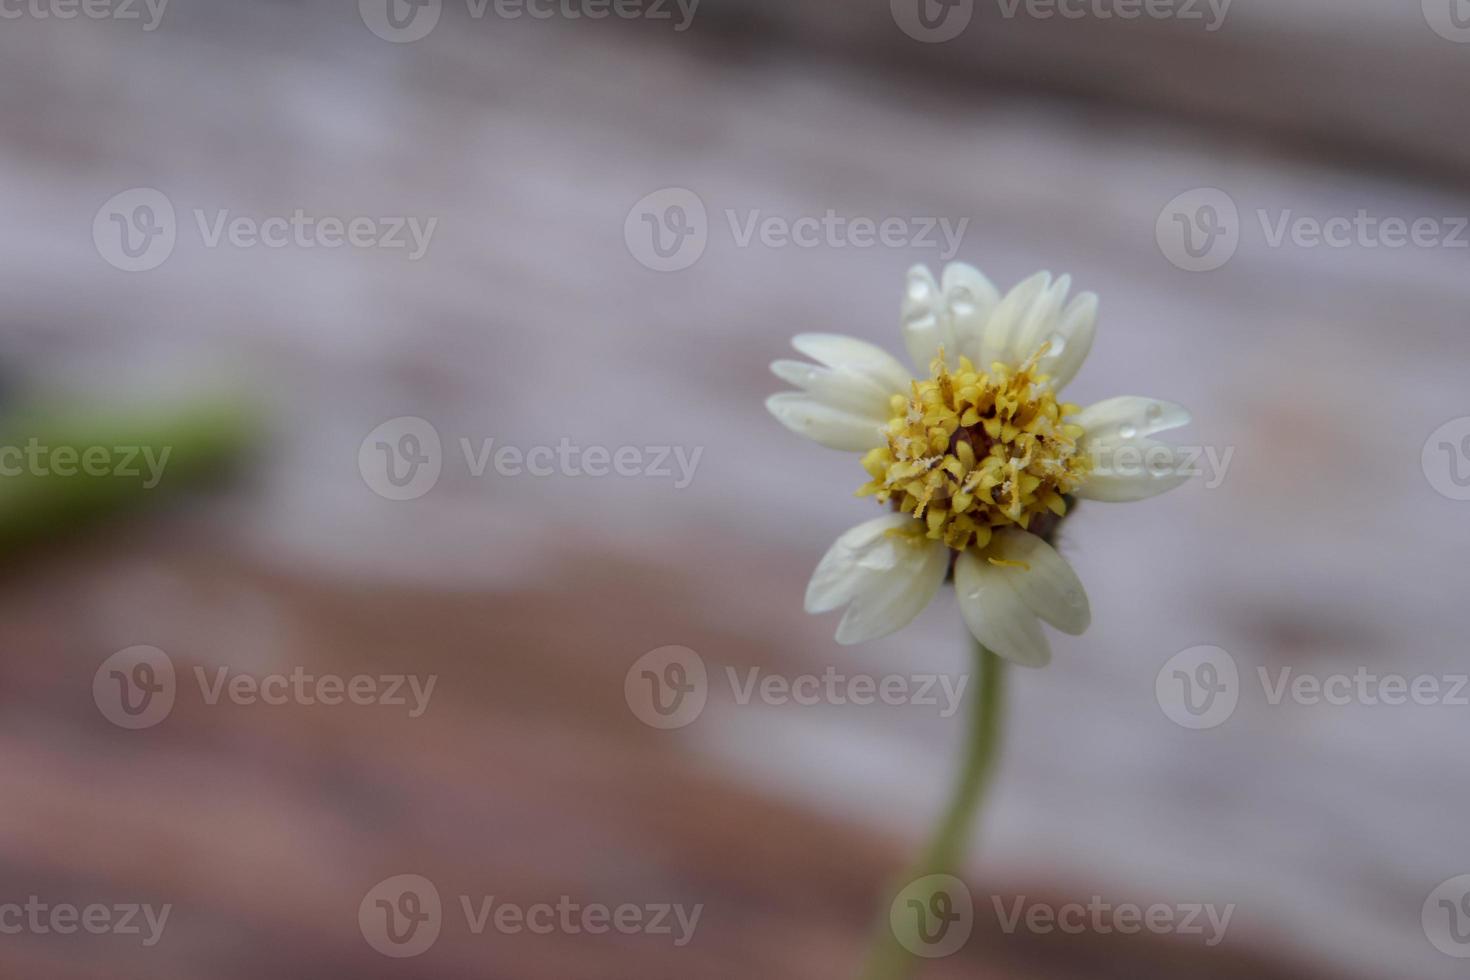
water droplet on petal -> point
(918, 289)
(922, 320)
(961, 301)
(1127, 430)
(1058, 344)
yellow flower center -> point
(969, 452)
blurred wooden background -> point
(1325, 548)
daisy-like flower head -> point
(977, 458)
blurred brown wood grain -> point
(528, 780)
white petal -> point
(853, 356)
(839, 388)
(1009, 314)
(851, 560)
(1070, 339)
(1067, 330)
(1136, 470)
(1037, 324)
(1048, 585)
(969, 299)
(832, 427)
(926, 326)
(1126, 464)
(887, 578)
(890, 600)
(1129, 416)
(995, 613)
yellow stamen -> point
(968, 452)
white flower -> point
(976, 456)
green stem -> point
(889, 960)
